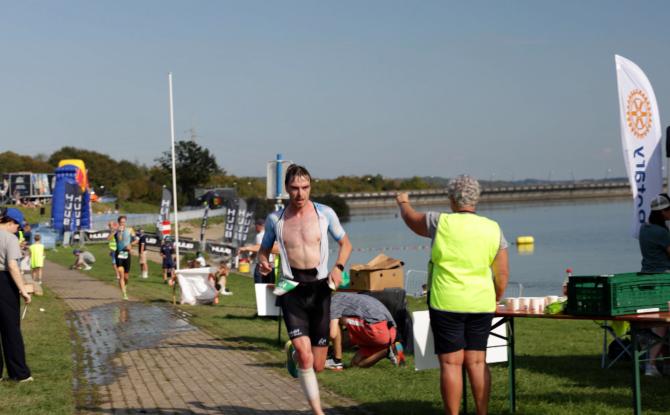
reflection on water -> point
(111, 329)
(525, 249)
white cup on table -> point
(534, 306)
(524, 303)
(512, 304)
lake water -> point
(591, 237)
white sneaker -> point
(226, 292)
(86, 268)
(651, 370)
(333, 365)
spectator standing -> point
(142, 250)
(468, 273)
(37, 259)
(11, 289)
(654, 239)
(167, 255)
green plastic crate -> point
(613, 295)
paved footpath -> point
(146, 358)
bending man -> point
(370, 326)
(302, 229)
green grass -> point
(49, 356)
(558, 362)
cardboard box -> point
(381, 272)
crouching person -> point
(371, 327)
(218, 280)
(82, 260)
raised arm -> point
(414, 220)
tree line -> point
(196, 168)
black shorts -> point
(123, 262)
(458, 331)
(306, 308)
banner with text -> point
(640, 137)
(73, 205)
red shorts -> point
(370, 338)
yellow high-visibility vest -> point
(460, 274)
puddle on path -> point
(111, 329)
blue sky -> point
(500, 89)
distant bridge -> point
(526, 193)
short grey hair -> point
(464, 190)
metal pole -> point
(278, 184)
(511, 364)
(637, 353)
(174, 173)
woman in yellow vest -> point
(467, 275)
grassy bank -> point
(558, 361)
(49, 355)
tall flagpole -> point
(174, 172)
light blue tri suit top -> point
(124, 239)
(329, 223)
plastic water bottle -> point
(401, 353)
(568, 274)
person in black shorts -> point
(125, 239)
(307, 307)
(301, 231)
(167, 254)
(142, 253)
(468, 274)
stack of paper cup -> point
(534, 306)
(512, 304)
(524, 303)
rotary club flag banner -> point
(640, 137)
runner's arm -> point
(414, 220)
(342, 258)
(266, 246)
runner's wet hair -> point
(294, 171)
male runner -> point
(142, 251)
(125, 238)
(302, 229)
(111, 243)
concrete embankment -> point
(536, 193)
